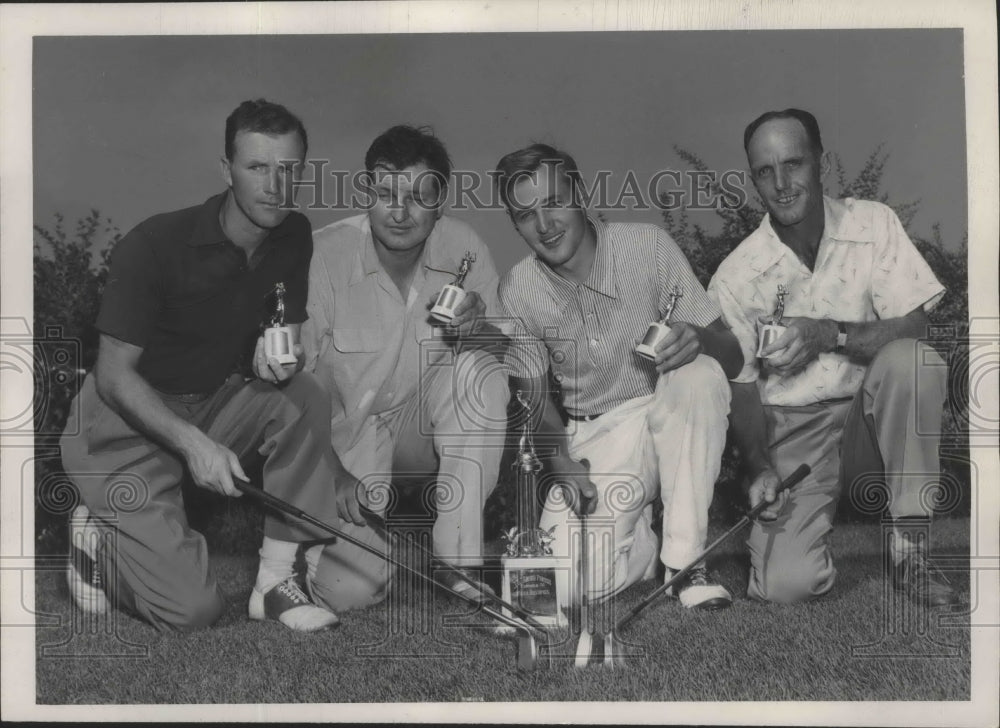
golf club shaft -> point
(436, 562)
(288, 509)
(800, 472)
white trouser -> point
(667, 445)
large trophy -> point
(658, 329)
(533, 579)
(769, 333)
(277, 336)
(452, 294)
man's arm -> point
(685, 341)
(807, 338)
(551, 442)
(750, 427)
(124, 390)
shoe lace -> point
(698, 577)
(292, 590)
(922, 568)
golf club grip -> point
(797, 475)
(790, 482)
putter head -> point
(584, 649)
(614, 655)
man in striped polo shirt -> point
(646, 429)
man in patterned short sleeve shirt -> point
(647, 430)
(839, 389)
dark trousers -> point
(159, 567)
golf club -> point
(800, 472)
(527, 645)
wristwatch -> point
(841, 337)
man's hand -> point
(800, 344)
(268, 368)
(764, 487)
(468, 313)
(351, 498)
(680, 346)
(213, 466)
(574, 478)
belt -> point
(584, 418)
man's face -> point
(407, 205)
(261, 175)
(787, 172)
(546, 216)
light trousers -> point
(666, 446)
(452, 431)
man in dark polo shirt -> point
(182, 388)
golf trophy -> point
(658, 329)
(770, 332)
(453, 293)
(533, 579)
(277, 336)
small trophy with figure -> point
(770, 332)
(277, 336)
(658, 329)
(533, 579)
(453, 293)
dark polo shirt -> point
(194, 303)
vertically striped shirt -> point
(586, 333)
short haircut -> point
(807, 120)
(262, 117)
(405, 146)
(512, 167)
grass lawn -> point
(855, 644)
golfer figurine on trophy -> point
(277, 336)
(769, 333)
(658, 329)
(453, 293)
(533, 579)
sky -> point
(133, 126)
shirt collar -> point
(601, 278)
(208, 229)
(435, 256)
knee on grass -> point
(788, 582)
(199, 610)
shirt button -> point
(593, 342)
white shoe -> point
(697, 590)
(83, 575)
(285, 602)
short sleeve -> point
(674, 270)
(316, 331)
(133, 292)
(742, 326)
(901, 279)
(298, 284)
(527, 355)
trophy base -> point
(447, 301)
(278, 344)
(539, 585)
(769, 333)
(654, 335)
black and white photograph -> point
(590, 362)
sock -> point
(909, 536)
(277, 562)
(312, 560)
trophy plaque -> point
(770, 332)
(533, 579)
(452, 294)
(658, 329)
(277, 336)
